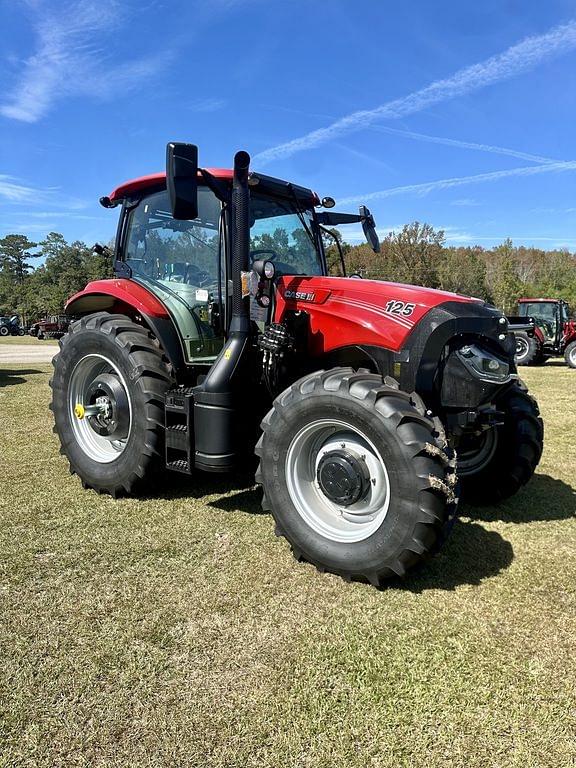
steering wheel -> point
(254, 255)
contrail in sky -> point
(459, 181)
(515, 60)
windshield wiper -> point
(302, 218)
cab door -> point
(182, 263)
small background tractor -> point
(10, 326)
(53, 327)
(554, 333)
(222, 335)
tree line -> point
(34, 293)
(417, 254)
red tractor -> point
(53, 327)
(554, 332)
(222, 335)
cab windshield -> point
(282, 232)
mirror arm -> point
(221, 190)
(330, 219)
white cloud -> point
(515, 60)
(458, 181)
(15, 191)
(212, 104)
(465, 202)
(70, 59)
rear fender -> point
(129, 298)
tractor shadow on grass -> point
(244, 496)
(471, 555)
(14, 376)
(544, 499)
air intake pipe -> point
(217, 399)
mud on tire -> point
(420, 474)
(136, 355)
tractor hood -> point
(346, 311)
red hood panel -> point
(345, 311)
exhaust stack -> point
(216, 400)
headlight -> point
(483, 364)
(269, 270)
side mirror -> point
(369, 228)
(182, 179)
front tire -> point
(108, 388)
(4, 330)
(528, 350)
(355, 474)
(495, 465)
(570, 354)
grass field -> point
(176, 630)
(25, 340)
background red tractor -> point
(554, 332)
(53, 327)
(222, 334)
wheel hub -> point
(110, 416)
(343, 478)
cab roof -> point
(544, 301)
(141, 185)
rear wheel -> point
(528, 350)
(108, 389)
(495, 464)
(355, 474)
(570, 354)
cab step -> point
(179, 429)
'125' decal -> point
(400, 307)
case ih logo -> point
(299, 295)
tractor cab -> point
(186, 262)
(550, 316)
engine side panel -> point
(345, 311)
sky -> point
(458, 114)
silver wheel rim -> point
(473, 460)
(84, 377)
(340, 523)
(573, 357)
(521, 348)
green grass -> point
(176, 630)
(25, 340)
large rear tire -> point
(108, 389)
(355, 474)
(528, 349)
(570, 354)
(495, 465)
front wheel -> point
(108, 388)
(355, 474)
(4, 330)
(495, 464)
(570, 354)
(528, 350)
